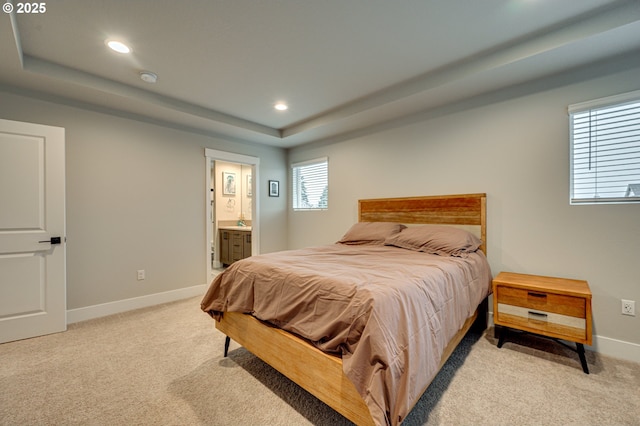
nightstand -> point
(558, 308)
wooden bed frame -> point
(320, 373)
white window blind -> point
(605, 150)
(311, 184)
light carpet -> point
(164, 366)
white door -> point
(32, 230)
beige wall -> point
(136, 200)
(135, 192)
(514, 146)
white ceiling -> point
(341, 65)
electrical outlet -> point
(141, 274)
(629, 307)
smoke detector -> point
(148, 77)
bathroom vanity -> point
(235, 243)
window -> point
(605, 150)
(311, 185)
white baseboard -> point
(606, 346)
(615, 348)
(104, 309)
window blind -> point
(605, 150)
(310, 183)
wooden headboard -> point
(468, 211)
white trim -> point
(615, 348)
(231, 156)
(310, 162)
(605, 200)
(110, 308)
(210, 156)
(604, 345)
(602, 102)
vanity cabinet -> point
(234, 245)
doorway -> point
(236, 204)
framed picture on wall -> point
(228, 183)
(274, 188)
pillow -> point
(436, 239)
(371, 232)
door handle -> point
(53, 240)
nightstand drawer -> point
(545, 322)
(542, 301)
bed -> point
(376, 362)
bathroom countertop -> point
(236, 228)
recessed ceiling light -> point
(118, 46)
(281, 106)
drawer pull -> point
(538, 314)
(541, 295)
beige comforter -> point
(389, 311)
